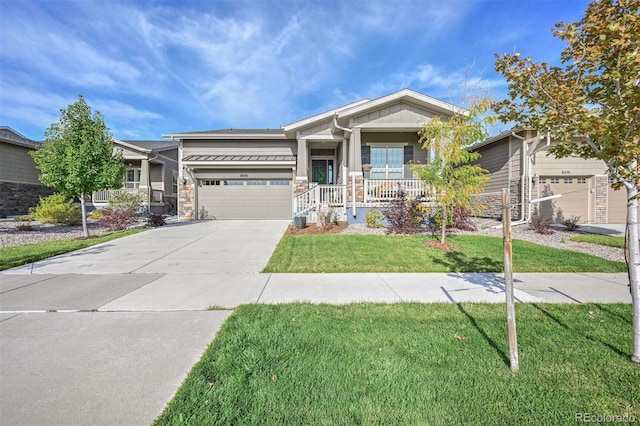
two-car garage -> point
(256, 198)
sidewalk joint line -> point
(389, 287)
(49, 277)
(264, 288)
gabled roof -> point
(7, 134)
(322, 116)
(230, 134)
(153, 145)
(406, 95)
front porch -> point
(154, 199)
(368, 193)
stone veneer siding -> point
(490, 203)
(359, 189)
(17, 198)
(186, 203)
(602, 190)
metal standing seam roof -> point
(240, 158)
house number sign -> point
(244, 174)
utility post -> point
(508, 279)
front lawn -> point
(11, 257)
(406, 364)
(407, 253)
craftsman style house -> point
(556, 188)
(348, 158)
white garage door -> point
(244, 198)
(574, 200)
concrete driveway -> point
(63, 362)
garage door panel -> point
(245, 199)
(574, 201)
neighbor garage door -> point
(244, 198)
(574, 201)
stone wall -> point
(186, 202)
(359, 189)
(17, 198)
(490, 203)
(601, 189)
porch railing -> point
(380, 190)
(332, 195)
(105, 195)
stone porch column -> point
(355, 167)
(144, 189)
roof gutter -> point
(353, 175)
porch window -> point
(132, 178)
(387, 162)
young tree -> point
(453, 180)
(591, 104)
(77, 157)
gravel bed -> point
(10, 235)
(561, 238)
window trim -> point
(387, 170)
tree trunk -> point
(443, 231)
(634, 264)
(83, 210)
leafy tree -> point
(450, 175)
(77, 157)
(591, 104)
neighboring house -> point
(20, 188)
(151, 171)
(349, 158)
(519, 160)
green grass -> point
(603, 240)
(11, 257)
(407, 364)
(407, 253)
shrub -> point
(25, 218)
(57, 209)
(155, 220)
(374, 218)
(96, 214)
(540, 224)
(116, 219)
(572, 223)
(327, 216)
(25, 227)
(462, 219)
(126, 200)
(404, 215)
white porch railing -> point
(332, 195)
(105, 195)
(380, 190)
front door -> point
(322, 171)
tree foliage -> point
(453, 180)
(591, 104)
(77, 157)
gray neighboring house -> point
(20, 188)
(519, 160)
(350, 159)
(151, 171)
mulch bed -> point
(312, 228)
(439, 246)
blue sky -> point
(154, 67)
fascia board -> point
(223, 136)
(235, 164)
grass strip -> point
(407, 253)
(409, 363)
(11, 257)
(603, 240)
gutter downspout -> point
(523, 176)
(353, 176)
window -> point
(209, 182)
(256, 182)
(581, 180)
(174, 181)
(132, 178)
(279, 182)
(234, 182)
(387, 162)
(555, 180)
(568, 180)
(542, 180)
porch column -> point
(356, 183)
(355, 160)
(301, 179)
(144, 187)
